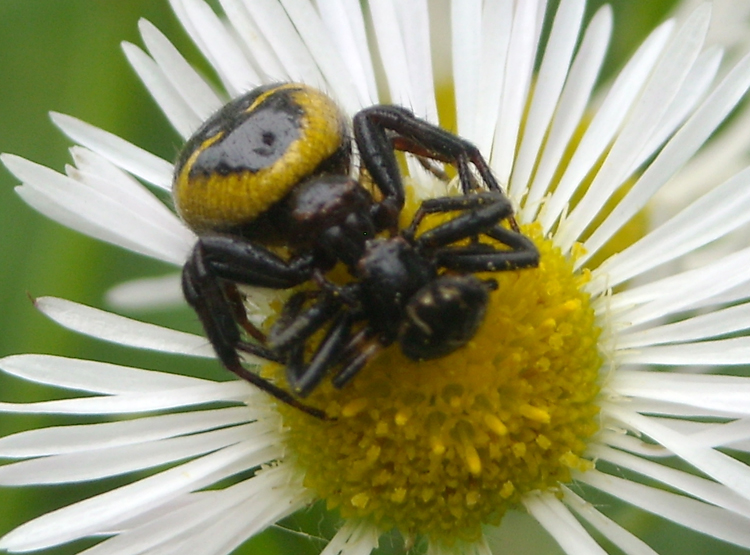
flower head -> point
(581, 377)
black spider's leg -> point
(240, 314)
(500, 203)
(486, 258)
(204, 293)
(303, 376)
(418, 137)
(362, 348)
(296, 326)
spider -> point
(272, 168)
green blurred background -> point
(65, 56)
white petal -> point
(84, 437)
(353, 538)
(606, 122)
(308, 24)
(733, 351)
(549, 84)
(123, 331)
(233, 391)
(121, 153)
(722, 468)
(273, 23)
(92, 376)
(677, 292)
(627, 542)
(573, 104)
(675, 154)
(694, 515)
(104, 511)
(497, 19)
(217, 44)
(198, 95)
(147, 293)
(180, 115)
(113, 461)
(641, 123)
(392, 51)
(560, 524)
(720, 211)
(695, 486)
(466, 39)
(100, 212)
(712, 391)
(518, 71)
(346, 28)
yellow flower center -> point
(443, 446)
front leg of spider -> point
(379, 130)
(217, 262)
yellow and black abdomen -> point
(255, 150)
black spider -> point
(272, 168)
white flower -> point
(627, 351)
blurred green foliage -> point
(65, 56)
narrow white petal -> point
(733, 351)
(573, 103)
(675, 154)
(719, 322)
(627, 542)
(720, 211)
(547, 89)
(712, 391)
(147, 293)
(606, 122)
(195, 91)
(113, 461)
(101, 213)
(121, 330)
(641, 123)
(518, 71)
(70, 217)
(693, 89)
(104, 511)
(353, 538)
(99, 173)
(121, 153)
(561, 525)
(497, 19)
(308, 24)
(644, 405)
(128, 403)
(175, 108)
(677, 292)
(722, 468)
(695, 515)
(219, 46)
(346, 28)
(414, 21)
(392, 51)
(273, 22)
(177, 523)
(466, 39)
(93, 376)
(85, 437)
(695, 486)
(222, 535)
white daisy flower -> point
(575, 383)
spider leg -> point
(417, 136)
(362, 348)
(297, 323)
(487, 258)
(303, 376)
(482, 211)
(204, 287)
